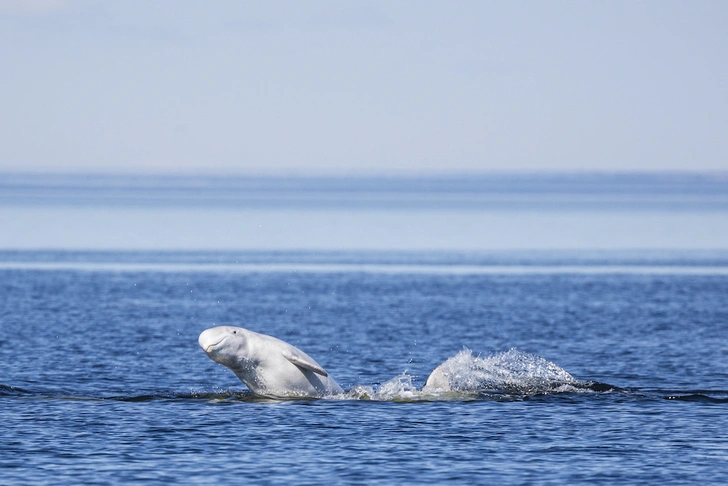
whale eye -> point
(235, 332)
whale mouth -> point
(211, 347)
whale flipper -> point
(303, 361)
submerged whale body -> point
(268, 366)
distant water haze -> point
(455, 213)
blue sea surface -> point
(103, 381)
(572, 364)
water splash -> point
(399, 388)
(512, 371)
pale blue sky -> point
(232, 86)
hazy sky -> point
(233, 86)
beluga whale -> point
(268, 366)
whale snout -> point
(210, 338)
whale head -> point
(226, 345)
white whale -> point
(438, 381)
(268, 366)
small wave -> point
(697, 397)
(221, 395)
(9, 391)
(162, 395)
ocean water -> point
(568, 363)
